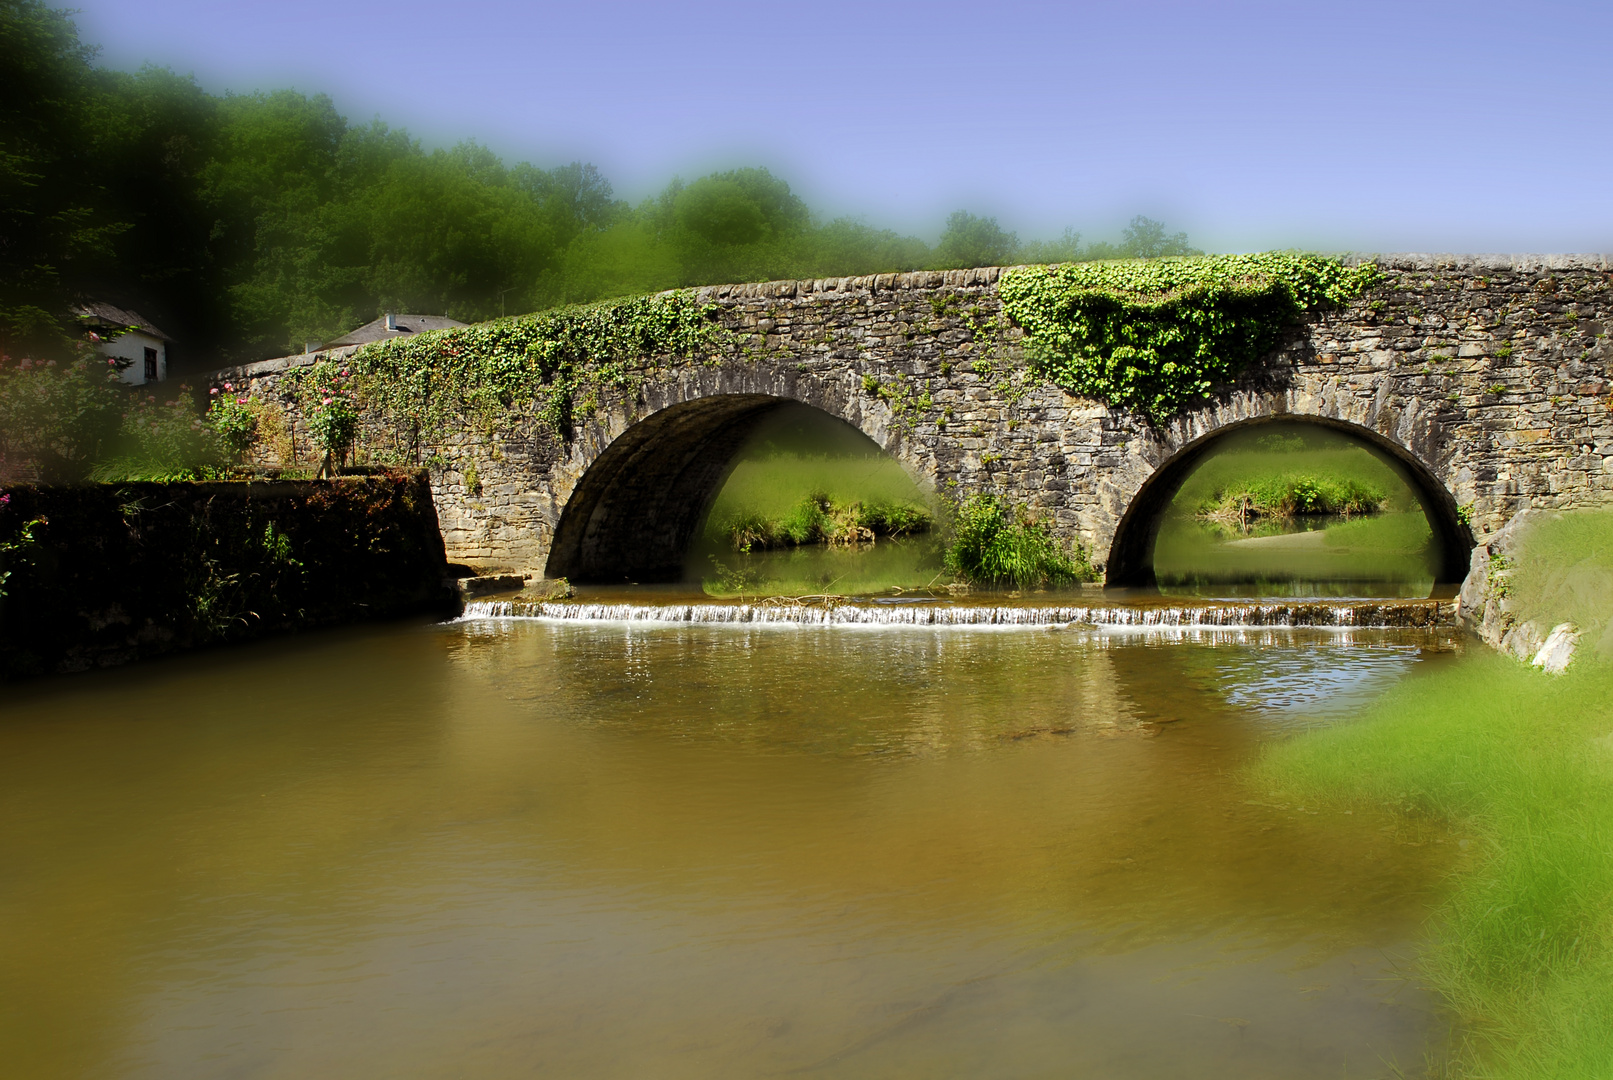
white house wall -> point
(132, 347)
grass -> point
(1521, 763)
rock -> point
(1484, 605)
(1555, 655)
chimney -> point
(391, 321)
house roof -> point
(406, 324)
(97, 313)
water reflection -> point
(504, 847)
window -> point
(151, 365)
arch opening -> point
(1135, 553)
(639, 514)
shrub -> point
(233, 418)
(56, 418)
(996, 543)
(158, 441)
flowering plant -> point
(330, 404)
(233, 418)
(56, 417)
(159, 440)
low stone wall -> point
(118, 572)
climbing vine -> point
(551, 365)
(1153, 335)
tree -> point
(1145, 238)
(971, 241)
(53, 218)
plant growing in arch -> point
(1154, 335)
(997, 543)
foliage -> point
(996, 543)
(1284, 494)
(1155, 335)
(257, 222)
(974, 241)
(158, 441)
(233, 418)
(17, 543)
(424, 385)
(57, 417)
(819, 519)
(330, 406)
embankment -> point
(120, 572)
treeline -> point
(245, 225)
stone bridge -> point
(1484, 379)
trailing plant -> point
(551, 365)
(997, 543)
(1153, 335)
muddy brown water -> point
(501, 848)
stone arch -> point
(644, 483)
(1131, 552)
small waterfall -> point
(1356, 614)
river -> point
(591, 848)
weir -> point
(1416, 614)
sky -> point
(1475, 127)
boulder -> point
(1554, 656)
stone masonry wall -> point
(1489, 373)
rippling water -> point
(514, 847)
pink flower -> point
(112, 360)
(327, 401)
(344, 373)
(227, 386)
(240, 401)
(213, 391)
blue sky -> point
(1480, 126)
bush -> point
(159, 441)
(234, 419)
(56, 418)
(996, 543)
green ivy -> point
(547, 365)
(1153, 335)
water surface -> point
(505, 848)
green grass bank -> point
(1520, 765)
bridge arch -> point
(1131, 551)
(645, 484)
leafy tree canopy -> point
(247, 224)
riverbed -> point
(591, 848)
